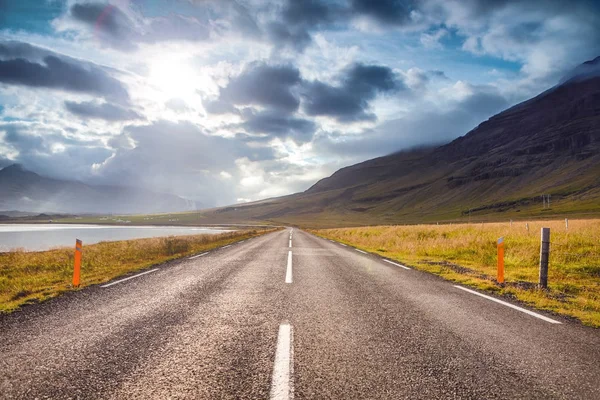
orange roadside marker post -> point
(500, 278)
(77, 267)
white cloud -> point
(432, 40)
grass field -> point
(29, 277)
(467, 253)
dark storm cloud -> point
(278, 125)
(56, 72)
(299, 18)
(105, 111)
(284, 35)
(309, 12)
(392, 12)
(349, 101)
(108, 19)
(264, 85)
(16, 49)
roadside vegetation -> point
(29, 277)
(467, 254)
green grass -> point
(29, 277)
(467, 253)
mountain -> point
(24, 190)
(549, 144)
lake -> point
(47, 236)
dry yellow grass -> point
(466, 253)
(27, 277)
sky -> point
(228, 101)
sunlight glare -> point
(173, 77)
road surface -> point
(289, 315)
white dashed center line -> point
(288, 272)
(282, 385)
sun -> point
(173, 78)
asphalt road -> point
(251, 321)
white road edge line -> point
(126, 279)
(396, 264)
(288, 272)
(360, 251)
(343, 244)
(224, 247)
(533, 314)
(282, 385)
(199, 255)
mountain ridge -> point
(28, 191)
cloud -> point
(432, 126)
(105, 111)
(349, 101)
(187, 161)
(55, 71)
(108, 21)
(417, 79)
(278, 125)
(299, 18)
(432, 40)
(49, 151)
(177, 104)
(390, 12)
(115, 28)
(219, 107)
(310, 12)
(548, 38)
(264, 85)
(284, 35)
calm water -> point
(47, 236)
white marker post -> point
(544, 257)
